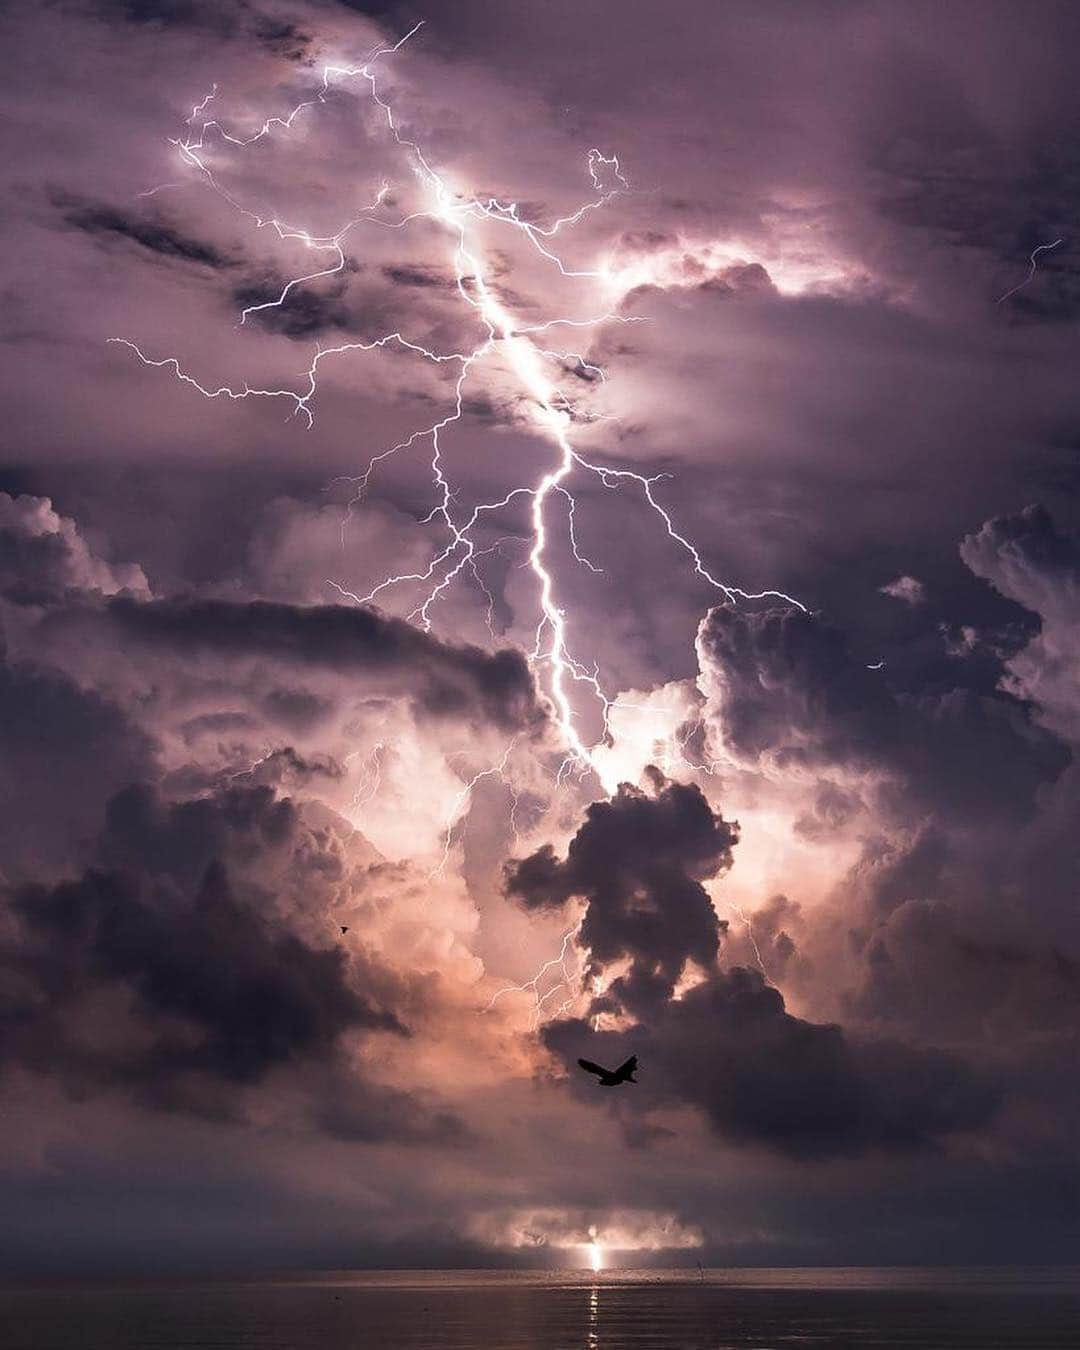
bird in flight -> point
(612, 1077)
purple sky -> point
(762, 317)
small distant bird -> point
(612, 1077)
(343, 930)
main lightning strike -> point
(552, 413)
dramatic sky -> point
(387, 719)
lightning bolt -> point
(1031, 270)
(549, 411)
(568, 982)
(747, 923)
(464, 796)
(371, 782)
(552, 413)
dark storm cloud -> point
(930, 966)
(36, 569)
(234, 19)
(214, 991)
(915, 870)
(376, 9)
(418, 275)
(1027, 558)
(784, 684)
(364, 303)
(63, 751)
(167, 973)
(639, 862)
(1026, 541)
(830, 809)
(761, 1076)
(971, 197)
(446, 680)
(216, 723)
(351, 1112)
(296, 708)
(727, 1045)
(145, 833)
(151, 233)
(305, 312)
(65, 746)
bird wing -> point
(590, 1067)
(629, 1067)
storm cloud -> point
(787, 692)
(726, 1044)
(307, 906)
(448, 681)
(170, 974)
(639, 861)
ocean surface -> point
(1029, 1309)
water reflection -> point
(487, 1310)
(592, 1340)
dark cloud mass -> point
(155, 236)
(764, 1077)
(166, 973)
(726, 1044)
(242, 1000)
(639, 862)
(785, 687)
(236, 19)
(63, 751)
(303, 314)
(449, 681)
(309, 904)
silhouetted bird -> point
(612, 1077)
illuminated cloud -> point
(908, 589)
(1029, 560)
(618, 1230)
(43, 557)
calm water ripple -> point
(619, 1310)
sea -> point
(935, 1309)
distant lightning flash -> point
(1043, 248)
